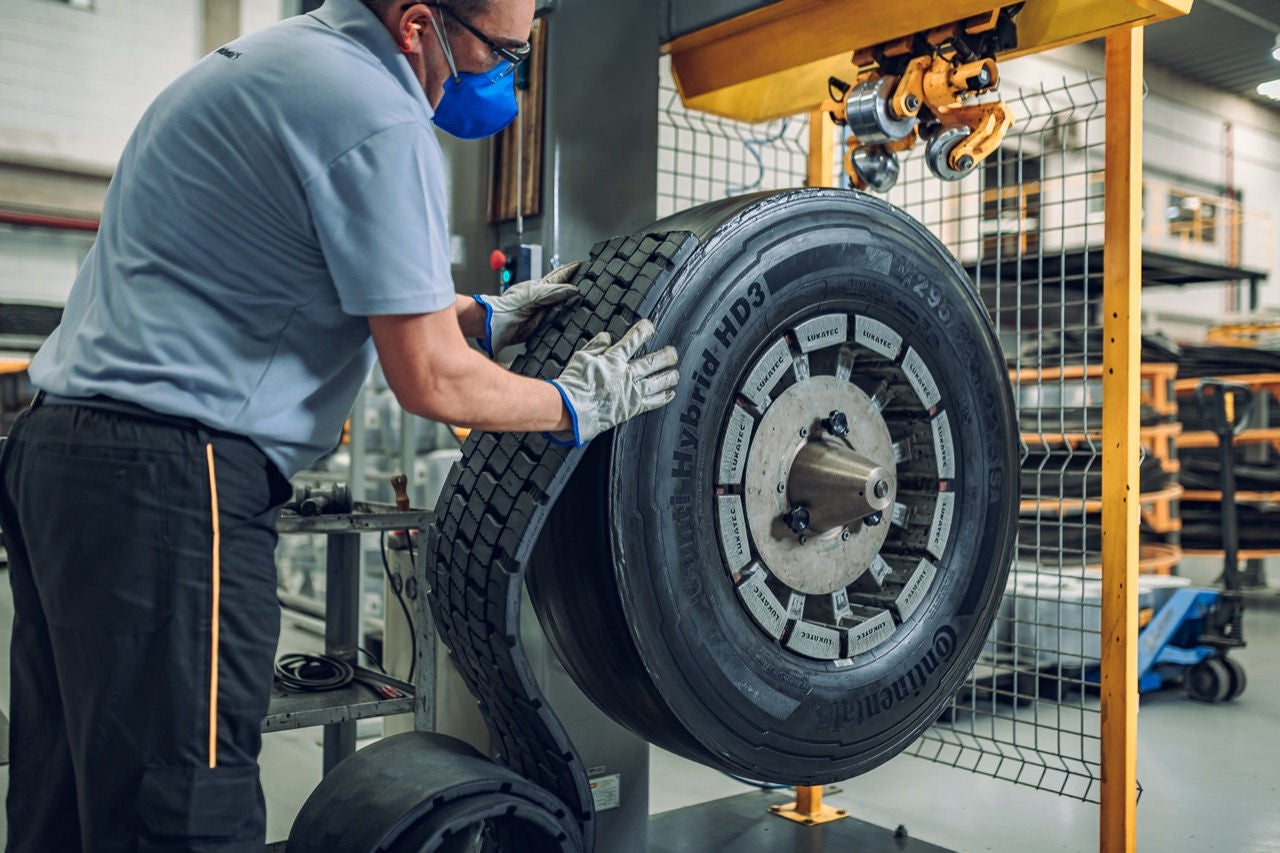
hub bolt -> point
(874, 519)
(881, 488)
(804, 432)
(844, 536)
(912, 103)
(797, 519)
(782, 487)
(966, 163)
(836, 423)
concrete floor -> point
(1210, 773)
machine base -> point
(743, 824)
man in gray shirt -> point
(276, 220)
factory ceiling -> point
(1225, 44)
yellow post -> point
(808, 808)
(1121, 302)
(822, 138)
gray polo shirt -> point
(276, 194)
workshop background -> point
(1014, 764)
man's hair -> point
(466, 8)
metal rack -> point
(338, 710)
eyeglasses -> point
(513, 55)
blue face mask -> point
(477, 105)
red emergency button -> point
(497, 260)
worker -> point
(278, 215)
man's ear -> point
(407, 33)
(413, 24)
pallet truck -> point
(1190, 638)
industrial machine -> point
(785, 595)
(787, 572)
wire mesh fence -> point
(703, 158)
(1027, 225)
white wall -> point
(73, 83)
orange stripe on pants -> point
(217, 591)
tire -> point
(18, 318)
(680, 628)
(1054, 477)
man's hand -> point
(512, 317)
(603, 385)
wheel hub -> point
(837, 486)
(794, 462)
(833, 495)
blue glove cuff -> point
(486, 343)
(573, 419)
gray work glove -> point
(512, 317)
(603, 385)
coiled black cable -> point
(303, 673)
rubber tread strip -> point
(492, 509)
(1224, 360)
(416, 791)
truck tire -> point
(666, 577)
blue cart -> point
(1182, 643)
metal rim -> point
(846, 385)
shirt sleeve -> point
(379, 214)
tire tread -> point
(492, 508)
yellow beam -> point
(775, 61)
(792, 33)
(1045, 24)
(1121, 356)
(822, 157)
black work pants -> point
(141, 556)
